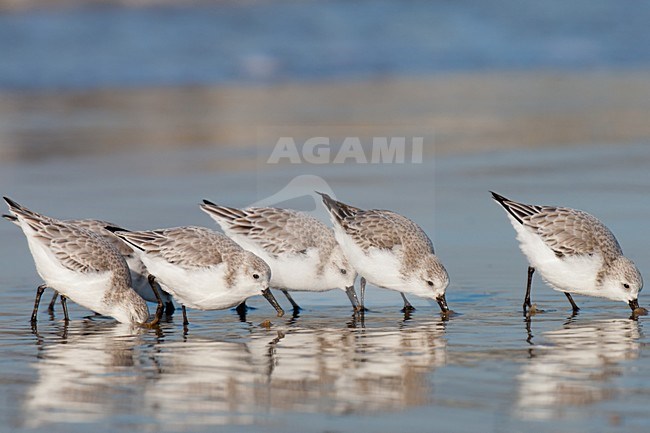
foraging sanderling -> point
(139, 274)
(201, 268)
(81, 265)
(574, 252)
(389, 251)
(301, 251)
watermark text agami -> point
(322, 150)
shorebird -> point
(389, 251)
(200, 268)
(301, 251)
(139, 274)
(574, 252)
(81, 265)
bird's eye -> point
(256, 276)
(430, 283)
(626, 285)
(343, 271)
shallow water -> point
(484, 369)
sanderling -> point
(139, 274)
(200, 268)
(389, 251)
(301, 251)
(574, 252)
(81, 265)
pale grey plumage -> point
(301, 251)
(139, 272)
(76, 248)
(374, 239)
(277, 231)
(566, 231)
(99, 227)
(383, 229)
(87, 255)
(187, 247)
(201, 268)
(574, 252)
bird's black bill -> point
(352, 295)
(269, 297)
(442, 302)
(634, 304)
(159, 308)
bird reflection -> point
(330, 370)
(208, 382)
(84, 373)
(383, 369)
(109, 371)
(574, 366)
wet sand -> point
(486, 369)
(470, 112)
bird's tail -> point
(130, 238)
(221, 213)
(10, 218)
(338, 210)
(19, 212)
(16, 209)
(519, 211)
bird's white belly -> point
(140, 281)
(575, 274)
(288, 270)
(298, 272)
(86, 289)
(379, 267)
(203, 289)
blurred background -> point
(102, 76)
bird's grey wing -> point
(411, 233)
(188, 247)
(269, 228)
(78, 249)
(372, 229)
(99, 227)
(570, 232)
(386, 230)
(281, 231)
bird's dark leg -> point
(185, 322)
(295, 306)
(529, 332)
(39, 292)
(64, 305)
(407, 305)
(241, 313)
(169, 308)
(169, 305)
(527, 303)
(362, 292)
(241, 309)
(159, 307)
(573, 304)
(50, 307)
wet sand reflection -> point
(202, 381)
(575, 367)
(88, 374)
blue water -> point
(486, 369)
(275, 41)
